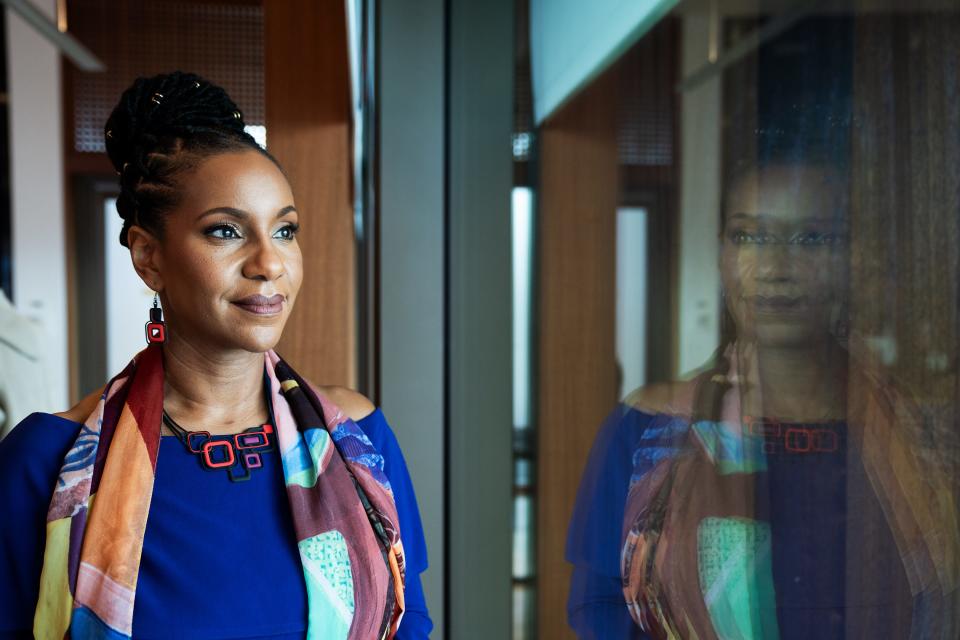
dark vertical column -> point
(412, 222)
(6, 267)
(480, 178)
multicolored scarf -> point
(699, 502)
(343, 511)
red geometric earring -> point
(156, 328)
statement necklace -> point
(238, 453)
(782, 437)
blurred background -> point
(512, 219)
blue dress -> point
(219, 558)
(807, 500)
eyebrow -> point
(241, 214)
(765, 217)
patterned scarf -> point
(342, 504)
(703, 495)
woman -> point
(785, 491)
(310, 543)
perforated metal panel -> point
(645, 137)
(221, 41)
(646, 108)
(522, 88)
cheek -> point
(294, 268)
(736, 270)
(204, 274)
(197, 273)
(826, 280)
(837, 272)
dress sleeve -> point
(596, 606)
(30, 460)
(416, 624)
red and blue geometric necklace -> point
(238, 454)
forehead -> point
(788, 193)
(246, 180)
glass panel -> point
(524, 619)
(522, 257)
(524, 500)
(748, 329)
(522, 540)
(523, 473)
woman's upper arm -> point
(30, 458)
(626, 444)
(416, 623)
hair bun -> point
(163, 108)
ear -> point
(146, 258)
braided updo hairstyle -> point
(162, 127)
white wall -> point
(127, 299)
(631, 336)
(37, 192)
(699, 202)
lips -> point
(779, 304)
(261, 305)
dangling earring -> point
(840, 322)
(156, 328)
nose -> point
(775, 263)
(264, 262)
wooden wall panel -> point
(577, 381)
(308, 131)
(905, 212)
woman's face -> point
(229, 262)
(783, 258)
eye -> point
(807, 238)
(739, 236)
(287, 232)
(816, 239)
(223, 232)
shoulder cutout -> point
(80, 411)
(662, 398)
(355, 405)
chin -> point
(788, 336)
(254, 341)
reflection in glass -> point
(800, 483)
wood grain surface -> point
(308, 131)
(577, 367)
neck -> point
(212, 390)
(801, 384)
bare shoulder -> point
(80, 411)
(662, 398)
(354, 404)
